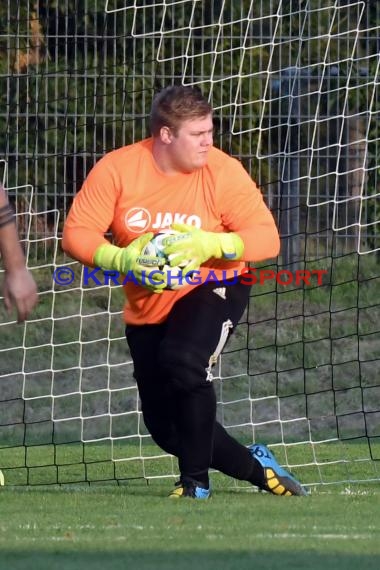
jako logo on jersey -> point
(138, 219)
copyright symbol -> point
(63, 276)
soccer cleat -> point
(277, 480)
(191, 489)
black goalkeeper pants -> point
(172, 367)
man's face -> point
(189, 147)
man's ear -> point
(166, 135)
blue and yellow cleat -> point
(276, 479)
(191, 489)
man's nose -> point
(207, 139)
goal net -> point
(295, 89)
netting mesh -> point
(295, 89)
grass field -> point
(136, 526)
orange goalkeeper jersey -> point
(127, 194)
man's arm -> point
(249, 230)
(19, 287)
(91, 213)
(245, 212)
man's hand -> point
(130, 259)
(191, 247)
(20, 292)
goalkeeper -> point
(178, 179)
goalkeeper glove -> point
(191, 247)
(130, 258)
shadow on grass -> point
(182, 560)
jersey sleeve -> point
(244, 211)
(91, 213)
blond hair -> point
(176, 104)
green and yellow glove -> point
(130, 259)
(191, 247)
